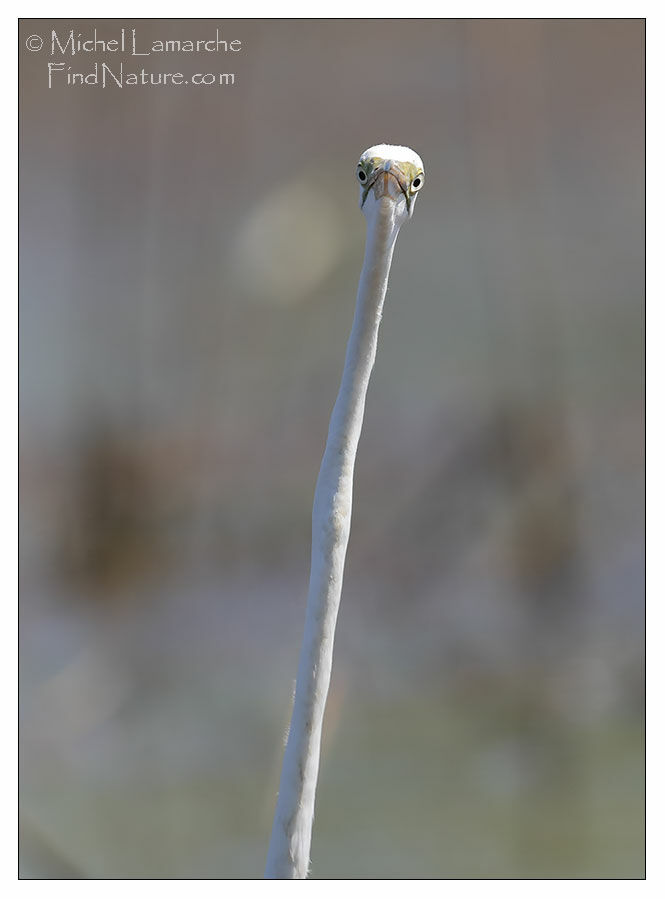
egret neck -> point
(390, 178)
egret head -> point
(390, 172)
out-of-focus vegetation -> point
(189, 260)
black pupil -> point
(361, 175)
(416, 182)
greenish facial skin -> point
(410, 177)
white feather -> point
(288, 854)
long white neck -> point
(288, 854)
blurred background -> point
(189, 263)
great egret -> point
(390, 178)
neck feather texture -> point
(288, 854)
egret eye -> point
(417, 182)
(362, 177)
